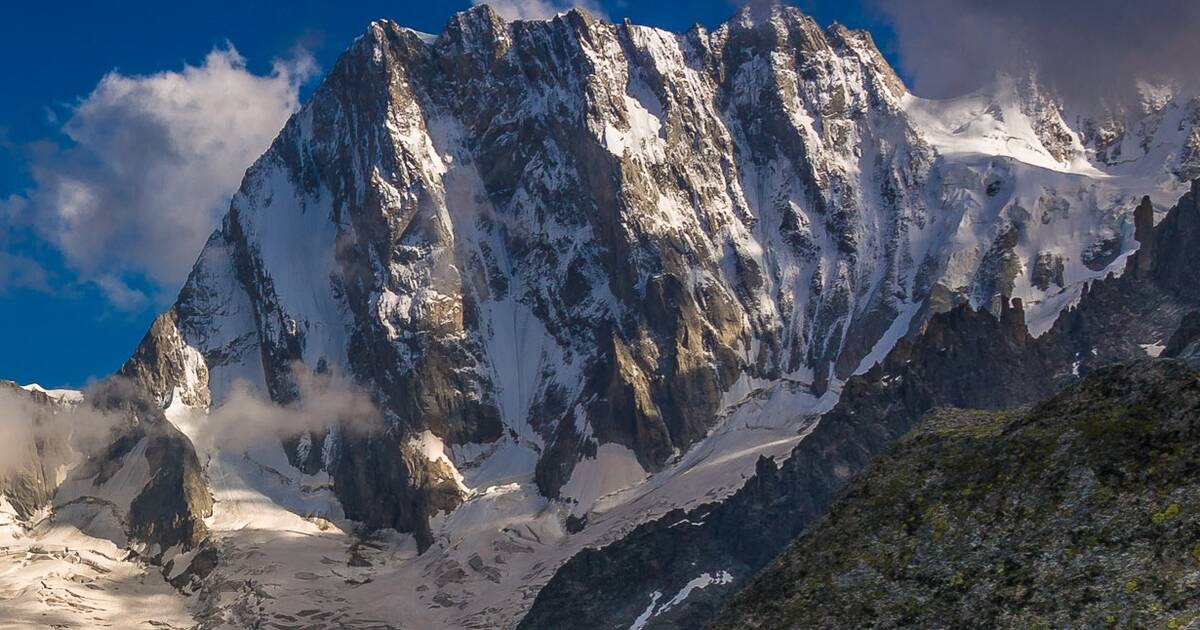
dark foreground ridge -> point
(1079, 513)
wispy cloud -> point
(537, 9)
(150, 166)
(246, 418)
(25, 423)
(22, 272)
(1087, 50)
(17, 271)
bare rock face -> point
(1189, 159)
(169, 508)
(1048, 269)
(999, 269)
(559, 235)
(961, 358)
(1106, 137)
(1143, 225)
(1045, 116)
(1101, 253)
(1173, 266)
(1185, 341)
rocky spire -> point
(1143, 231)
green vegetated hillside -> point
(1083, 511)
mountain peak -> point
(581, 268)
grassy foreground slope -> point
(1083, 511)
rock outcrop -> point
(29, 474)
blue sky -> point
(60, 327)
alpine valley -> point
(571, 323)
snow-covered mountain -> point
(589, 273)
(663, 573)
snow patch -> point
(1154, 349)
(615, 468)
(704, 580)
(60, 574)
(644, 618)
(71, 396)
(889, 339)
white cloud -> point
(246, 418)
(25, 424)
(21, 272)
(536, 9)
(1088, 51)
(120, 294)
(152, 164)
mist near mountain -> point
(26, 421)
(247, 418)
(1088, 51)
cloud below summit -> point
(246, 418)
(150, 166)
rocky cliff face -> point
(1164, 123)
(149, 464)
(1184, 344)
(963, 359)
(1071, 514)
(590, 272)
(677, 571)
(539, 238)
(108, 463)
(1119, 318)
